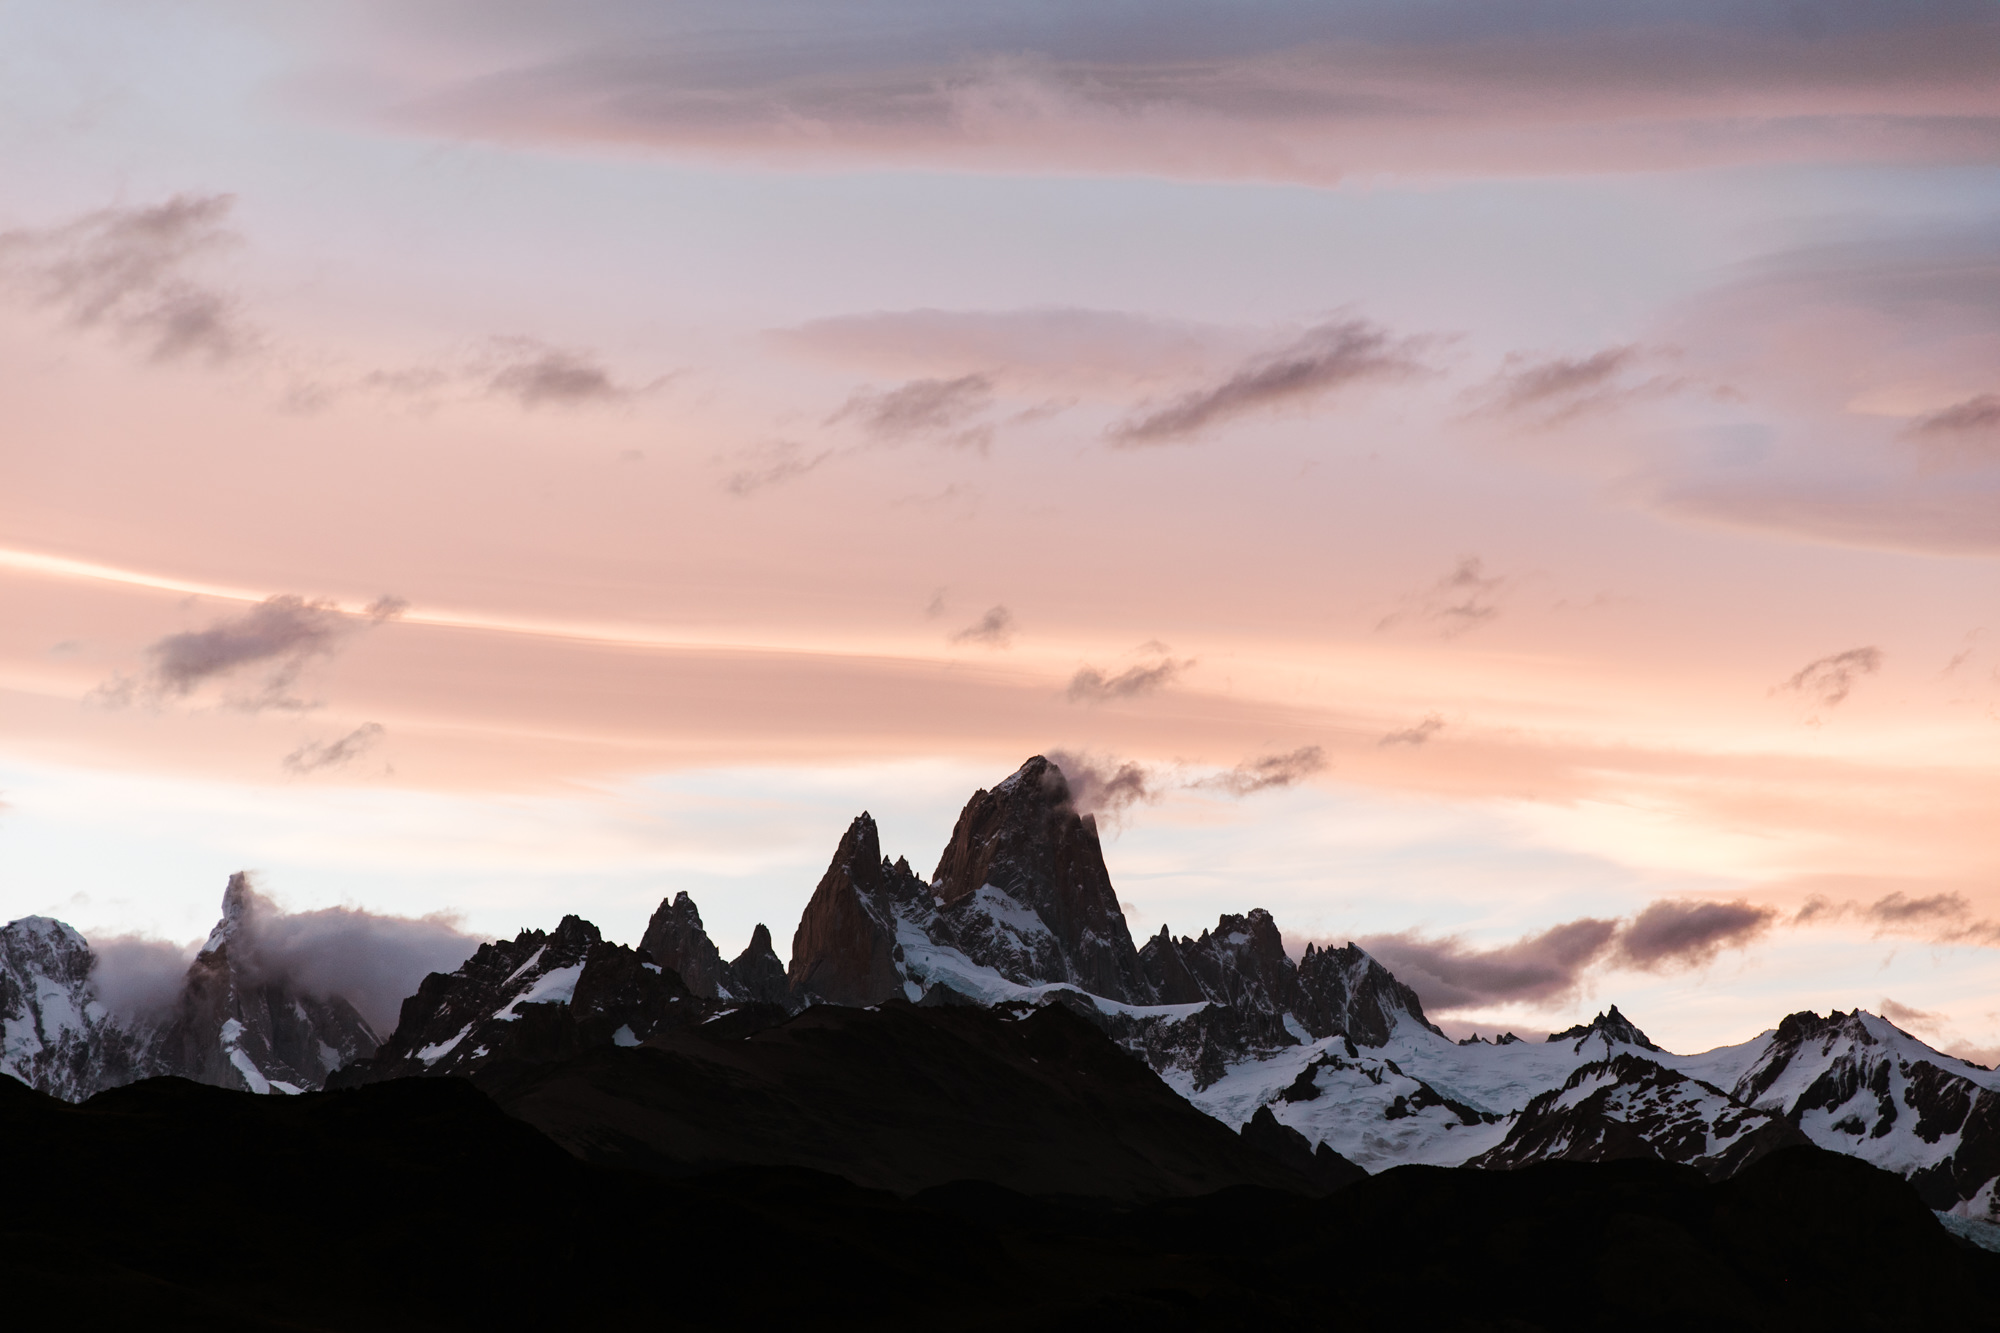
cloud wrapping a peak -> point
(372, 960)
(1105, 787)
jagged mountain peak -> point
(240, 900)
(1612, 1026)
(1349, 991)
(1025, 842)
(541, 995)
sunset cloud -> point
(933, 409)
(1462, 600)
(1827, 681)
(134, 272)
(1091, 685)
(1670, 934)
(534, 374)
(1285, 90)
(995, 629)
(1417, 735)
(274, 640)
(313, 756)
(1319, 361)
(1541, 969)
(1278, 770)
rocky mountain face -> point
(675, 939)
(236, 1023)
(540, 996)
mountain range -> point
(996, 1021)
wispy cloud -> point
(1417, 735)
(1278, 770)
(995, 629)
(534, 374)
(1552, 390)
(771, 464)
(1093, 686)
(1321, 360)
(1942, 918)
(313, 756)
(937, 410)
(133, 271)
(1827, 681)
(1979, 414)
(1462, 600)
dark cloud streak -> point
(1093, 686)
(1681, 934)
(1278, 770)
(313, 756)
(995, 629)
(1323, 359)
(127, 270)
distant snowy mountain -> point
(56, 1036)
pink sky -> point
(1571, 448)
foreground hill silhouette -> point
(418, 1203)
